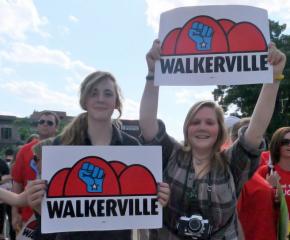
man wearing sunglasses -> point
(22, 172)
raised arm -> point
(149, 102)
(265, 105)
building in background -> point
(15, 130)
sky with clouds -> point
(48, 47)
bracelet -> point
(280, 77)
(150, 77)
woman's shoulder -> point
(56, 140)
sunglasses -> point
(285, 142)
(48, 122)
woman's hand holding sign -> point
(163, 193)
(277, 59)
(35, 192)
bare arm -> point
(149, 102)
(16, 217)
(12, 198)
(265, 105)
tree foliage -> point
(244, 97)
(24, 128)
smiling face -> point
(101, 100)
(203, 129)
(100, 91)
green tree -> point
(24, 127)
(244, 97)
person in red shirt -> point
(22, 172)
(256, 209)
(280, 157)
(264, 158)
(256, 212)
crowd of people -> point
(209, 191)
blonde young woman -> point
(205, 182)
(99, 97)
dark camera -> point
(194, 226)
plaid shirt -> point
(226, 184)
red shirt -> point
(284, 181)
(22, 172)
(256, 210)
(264, 158)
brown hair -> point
(222, 134)
(275, 143)
(76, 131)
(47, 113)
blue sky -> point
(48, 47)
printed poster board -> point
(214, 45)
(93, 188)
(27, 231)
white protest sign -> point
(214, 45)
(93, 188)
(27, 231)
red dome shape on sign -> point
(246, 37)
(185, 45)
(32, 225)
(76, 187)
(227, 37)
(118, 166)
(118, 179)
(56, 185)
(137, 180)
(226, 24)
(168, 45)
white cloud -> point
(277, 9)
(63, 30)
(186, 96)
(25, 53)
(6, 113)
(73, 18)
(2, 41)
(19, 17)
(6, 71)
(154, 8)
(40, 95)
(131, 109)
(72, 85)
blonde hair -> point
(222, 133)
(76, 131)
